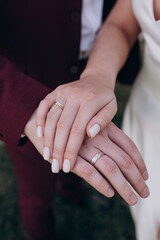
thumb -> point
(101, 119)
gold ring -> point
(96, 157)
(60, 105)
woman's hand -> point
(86, 105)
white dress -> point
(142, 120)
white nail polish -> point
(94, 130)
(55, 166)
(46, 153)
(66, 166)
(39, 131)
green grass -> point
(101, 219)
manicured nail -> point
(46, 153)
(145, 175)
(146, 192)
(94, 130)
(55, 166)
(66, 166)
(133, 199)
(39, 131)
(110, 192)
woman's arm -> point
(113, 44)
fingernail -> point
(55, 166)
(133, 199)
(39, 131)
(146, 192)
(46, 153)
(110, 192)
(66, 166)
(145, 175)
(94, 130)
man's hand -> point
(120, 166)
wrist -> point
(106, 78)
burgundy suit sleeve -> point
(19, 97)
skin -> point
(121, 164)
(91, 99)
(87, 101)
(158, 234)
(156, 9)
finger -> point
(90, 174)
(43, 109)
(125, 143)
(126, 166)
(77, 134)
(110, 170)
(62, 134)
(49, 132)
(102, 118)
(116, 178)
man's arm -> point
(19, 97)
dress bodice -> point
(150, 72)
(143, 10)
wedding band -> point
(96, 157)
(60, 105)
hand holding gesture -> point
(69, 112)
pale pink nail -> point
(66, 166)
(55, 166)
(46, 153)
(94, 130)
(39, 131)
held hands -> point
(69, 112)
(120, 165)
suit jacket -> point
(39, 48)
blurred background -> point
(98, 218)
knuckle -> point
(126, 190)
(59, 88)
(90, 97)
(139, 182)
(70, 153)
(57, 151)
(77, 129)
(44, 103)
(110, 167)
(112, 96)
(61, 125)
(39, 119)
(48, 141)
(126, 162)
(101, 184)
(104, 119)
(76, 91)
(132, 145)
(115, 107)
(50, 117)
(88, 172)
